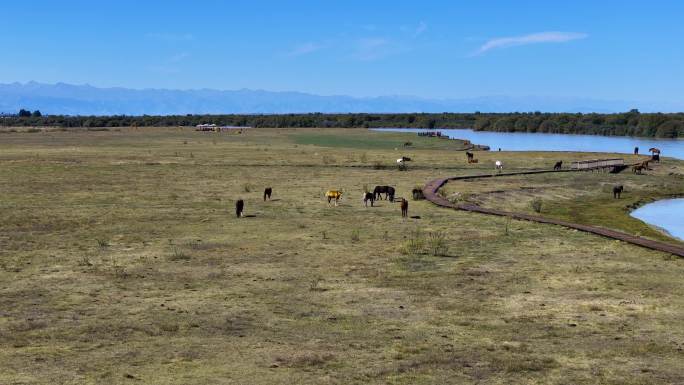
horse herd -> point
(333, 197)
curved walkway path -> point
(430, 192)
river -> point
(666, 214)
(522, 141)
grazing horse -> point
(417, 194)
(558, 165)
(333, 194)
(387, 190)
(637, 168)
(636, 150)
(470, 156)
(655, 154)
(368, 197)
(499, 165)
(404, 208)
(617, 190)
(239, 207)
(267, 193)
(645, 164)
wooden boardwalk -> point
(430, 192)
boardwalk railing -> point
(597, 163)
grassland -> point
(121, 261)
(585, 197)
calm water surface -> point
(521, 141)
(667, 214)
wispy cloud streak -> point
(305, 49)
(535, 38)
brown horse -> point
(404, 208)
(558, 165)
(638, 168)
(267, 193)
(470, 156)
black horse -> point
(469, 155)
(368, 197)
(655, 158)
(617, 190)
(558, 165)
(267, 193)
(387, 190)
(636, 150)
(239, 207)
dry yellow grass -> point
(121, 261)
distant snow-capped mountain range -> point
(69, 99)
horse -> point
(368, 197)
(333, 194)
(417, 194)
(408, 144)
(637, 168)
(645, 163)
(403, 159)
(387, 190)
(558, 165)
(404, 208)
(636, 150)
(470, 156)
(617, 190)
(655, 154)
(267, 193)
(239, 207)
(499, 165)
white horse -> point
(499, 165)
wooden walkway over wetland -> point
(431, 188)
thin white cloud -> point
(535, 38)
(179, 57)
(305, 49)
(422, 27)
(372, 48)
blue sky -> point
(448, 49)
